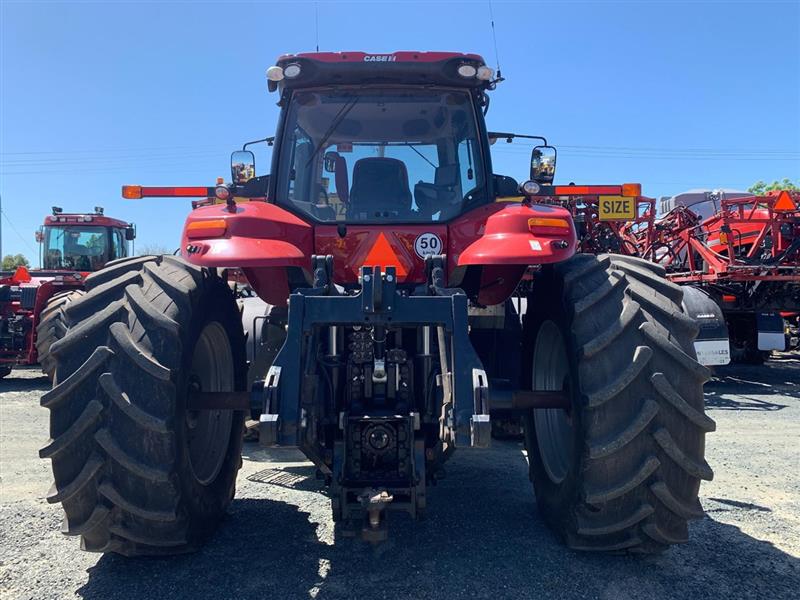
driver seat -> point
(53, 258)
(379, 185)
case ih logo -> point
(380, 58)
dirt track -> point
(482, 539)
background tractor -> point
(410, 295)
(32, 301)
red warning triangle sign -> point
(383, 255)
(784, 203)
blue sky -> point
(674, 95)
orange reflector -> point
(132, 192)
(383, 255)
(784, 203)
(548, 222)
(728, 298)
(631, 189)
(723, 238)
(21, 275)
(206, 229)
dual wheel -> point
(621, 468)
(136, 472)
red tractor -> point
(32, 302)
(397, 322)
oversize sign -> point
(616, 208)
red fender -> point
(257, 234)
(521, 234)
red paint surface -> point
(352, 251)
(262, 239)
(504, 238)
(78, 219)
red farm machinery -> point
(744, 252)
(32, 301)
(737, 255)
(407, 296)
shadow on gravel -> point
(294, 478)
(735, 504)
(747, 387)
(15, 383)
(483, 539)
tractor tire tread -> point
(640, 396)
(113, 423)
(52, 326)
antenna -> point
(494, 39)
(316, 22)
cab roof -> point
(403, 67)
(86, 220)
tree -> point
(11, 262)
(759, 188)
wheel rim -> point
(209, 430)
(554, 431)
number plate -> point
(713, 352)
(617, 208)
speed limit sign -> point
(427, 244)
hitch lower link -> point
(465, 403)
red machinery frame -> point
(753, 238)
(746, 256)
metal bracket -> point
(480, 423)
(269, 421)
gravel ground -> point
(482, 538)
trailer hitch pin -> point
(374, 502)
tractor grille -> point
(28, 297)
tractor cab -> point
(82, 242)
(383, 139)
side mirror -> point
(330, 161)
(243, 166)
(130, 233)
(543, 164)
(39, 236)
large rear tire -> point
(621, 469)
(135, 472)
(52, 327)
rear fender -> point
(509, 237)
(255, 234)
